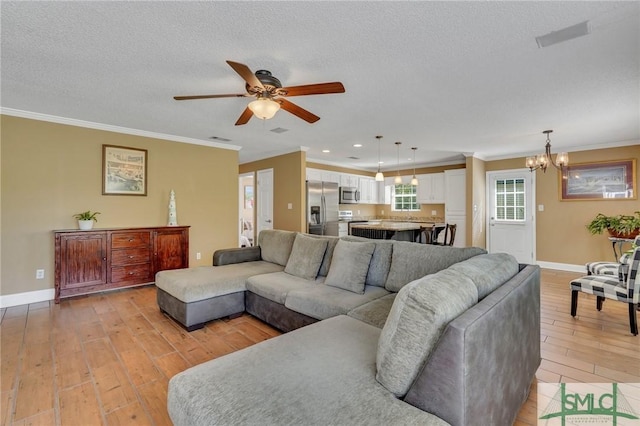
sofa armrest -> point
(236, 255)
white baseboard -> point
(563, 267)
(9, 300)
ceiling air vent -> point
(279, 130)
(565, 34)
(218, 138)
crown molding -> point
(569, 149)
(116, 129)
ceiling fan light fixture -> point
(264, 108)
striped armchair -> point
(623, 289)
(611, 268)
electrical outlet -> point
(198, 256)
(434, 212)
(290, 206)
(381, 211)
(39, 274)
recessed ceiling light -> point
(326, 151)
(380, 162)
(357, 145)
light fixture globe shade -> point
(414, 181)
(398, 180)
(379, 177)
(264, 108)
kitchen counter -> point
(390, 230)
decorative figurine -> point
(173, 217)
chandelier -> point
(541, 161)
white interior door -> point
(264, 200)
(511, 214)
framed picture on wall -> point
(124, 170)
(604, 180)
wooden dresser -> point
(103, 259)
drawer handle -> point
(131, 239)
(130, 273)
(131, 257)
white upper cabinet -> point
(368, 190)
(352, 181)
(430, 188)
(455, 184)
(323, 175)
(314, 174)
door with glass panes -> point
(510, 214)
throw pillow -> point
(306, 257)
(421, 311)
(275, 245)
(349, 265)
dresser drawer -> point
(130, 256)
(130, 239)
(139, 273)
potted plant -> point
(86, 219)
(620, 226)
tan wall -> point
(289, 176)
(476, 202)
(52, 171)
(561, 234)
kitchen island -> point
(389, 230)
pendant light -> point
(414, 179)
(398, 179)
(379, 175)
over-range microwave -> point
(349, 195)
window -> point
(404, 198)
(510, 200)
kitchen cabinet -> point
(455, 194)
(430, 188)
(352, 181)
(323, 175)
(368, 190)
(455, 201)
(104, 259)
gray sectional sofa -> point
(378, 332)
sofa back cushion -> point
(350, 265)
(488, 271)
(275, 245)
(306, 257)
(380, 261)
(328, 255)
(410, 261)
(419, 314)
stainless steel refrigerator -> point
(322, 208)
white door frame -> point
(241, 206)
(264, 208)
(531, 199)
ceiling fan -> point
(270, 95)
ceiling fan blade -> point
(314, 89)
(246, 74)
(244, 117)
(184, 98)
(297, 111)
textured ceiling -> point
(451, 78)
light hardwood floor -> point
(107, 358)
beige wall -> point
(561, 234)
(289, 176)
(476, 202)
(52, 171)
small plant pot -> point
(85, 225)
(629, 235)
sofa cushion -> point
(410, 261)
(488, 271)
(318, 375)
(350, 265)
(275, 245)
(328, 255)
(380, 261)
(420, 313)
(323, 301)
(306, 257)
(275, 286)
(374, 312)
(203, 282)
